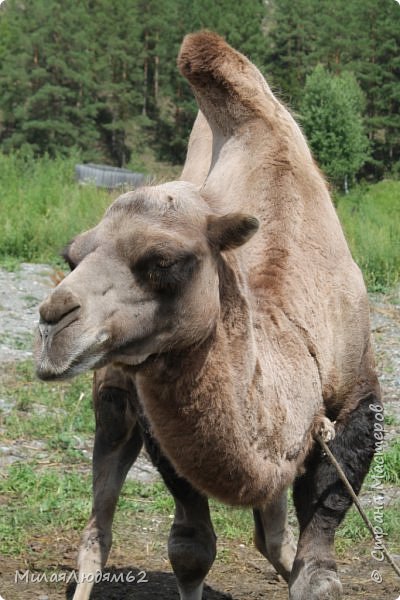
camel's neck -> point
(231, 341)
(200, 402)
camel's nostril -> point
(56, 307)
(43, 329)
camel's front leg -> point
(192, 541)
(191, 544)
(117, 444)
(273, 536)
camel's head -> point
(144, 281)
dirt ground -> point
(138, 563)
(137, 576)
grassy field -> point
(371, 219)
(42, 208)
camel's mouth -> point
(59, 358)
(69, 363)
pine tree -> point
(50, 100)
(375, 60)
(331, 116)
(291, 43)
(361, 36)
(240, 23)
(117, 72)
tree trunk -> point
(145, 76)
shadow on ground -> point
(131, 584)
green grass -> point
(40, 504)
(371, 219)
(391, 419)
(353, 530)
(42, 207)
(390, 472)
(49, 502)
(56, 412)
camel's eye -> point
(165, 263)
(166, 273)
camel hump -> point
(229, 89)
(198, 157)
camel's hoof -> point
(322, 584)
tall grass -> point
(42, 207)
(371, 220)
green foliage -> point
(331, 117)
(80, 74)
(49, 97)
(42, 207)
(362, 37)
(293, 42)
(375, 60)
(116, 51)
(371, 220)
(84, 75)
(175, 109)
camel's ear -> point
(231, 231)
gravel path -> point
(20, 294)
(386, 331)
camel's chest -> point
(223, 443)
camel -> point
(227, 324)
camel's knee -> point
(191, 551)
(192, 541)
